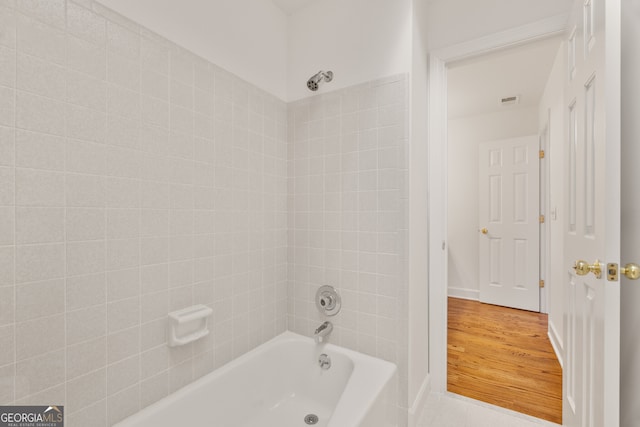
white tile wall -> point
(135, 179)
(347, 218)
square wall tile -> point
(122, 192)
(85, 24)
(85, 123)
(123, 71)
(86, 324)
(123, 404)
(123, 41)
(86, 357)
(50, 11)
(39, 336)
(87, 389)
(7, 186)
(122, 102)
(7, 225)
(7, 257)
(39, 225)
(39, 188)
(39, 262)
(124, 344)
(39, 151)
(85, 56)
(123, 284)
(7, 67)
(7, 305)
(8, 24)
(39, 114)
(86, 417)
(85, 90)
(38, 39)
(122, 254)
(123, 374)
(7, 351)
(154, 55)
(40, 77)
(40, 373)
(85, 224)
(40, 299)
(7, 146)
(123, 314)
(7, 106)
(85, 157)
(85, 190)
(85, 291)
(85, 257)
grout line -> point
(105, 219)
(15, 209)
(64, 225)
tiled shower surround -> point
(137, 178)
(347, 217)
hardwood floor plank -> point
(503, 356)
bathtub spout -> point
(323, 331)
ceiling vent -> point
(510, 100)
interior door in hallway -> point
(509, 242)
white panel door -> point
(592, 231)
(509, 223)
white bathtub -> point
(277, 385)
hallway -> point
(502, 356)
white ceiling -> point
(477, 85)
(290, 6)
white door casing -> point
(508, 220)
(592, 230)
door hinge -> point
(542, 283)
(541, 219)
(542, 154)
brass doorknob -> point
(631, 271)
(583, 268)
(484, 231)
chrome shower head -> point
(314, 81)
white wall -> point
(245, 37)
(418, 212)
(464, 136)
(630, 344)
(359, 40)
(551, 114)
(448, 25)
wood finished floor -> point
(503, 356)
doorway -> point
(493, 99)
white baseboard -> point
(556, 342)
(472, 294)
(415, 412)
